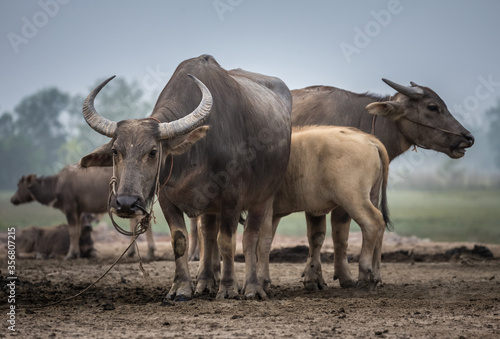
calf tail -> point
(384, 158)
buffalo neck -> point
(44, 190)
(388, 132)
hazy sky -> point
(451, 46)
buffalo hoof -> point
(348, 283)
(312, 277)
(313, 282)
(180, 291)
(131, 252)
(266, 285)
(228, 291)
(205, 286)
(71, 256)
(151, 255)
(254, 291)
(367, 285)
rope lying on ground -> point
(95, 282)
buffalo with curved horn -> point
(235, 164)
(414, 116)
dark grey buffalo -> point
(414, 116)
(213, 153)
(74, 191)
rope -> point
(141, 227)
(92, 284)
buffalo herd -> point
(219, 143)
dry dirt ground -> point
(427, 293)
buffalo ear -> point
(101, 157)
(184, 142)
(388, 109)
(30, 179)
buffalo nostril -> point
(127, 204)
(470, 138)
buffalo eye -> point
(115, 152)
(433, 108)
(153, 153)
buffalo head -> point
(23, 193)
(139, 148)
(423, 118)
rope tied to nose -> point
(140, 228)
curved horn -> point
(193, 119)
(412, 92)
(98, 123)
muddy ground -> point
(428, 291)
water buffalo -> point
(414, 116)
(213, 153)
(74, 191)
(53, 241)
(333, 167)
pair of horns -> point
(167, 129)
(413, 91)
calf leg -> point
(312, 275)
(74, 230)
(341, 222)
(206, 279)
(372, 226)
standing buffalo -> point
(333, 167)
(414, 116)
(74, 191)
(235, 161)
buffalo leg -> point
(370, 219)
(182, 287)
(151, 244)
(266, 236)
(341, 222)
(149, 237)
(194, 241)
(256, 217)
(228, 287)
(74, 230)
(316, 230)
(206, 278)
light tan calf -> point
(331, 167)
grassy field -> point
(438, 215)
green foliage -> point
(46, 131)
(32, 135)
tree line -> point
(46, 131)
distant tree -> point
(46, 130)
(17, 153)
(494, 132)
(119, 100)
(31, 136)
(39, 117)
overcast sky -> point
(451, 46)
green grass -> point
(438, 215)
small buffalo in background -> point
(53, 241)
